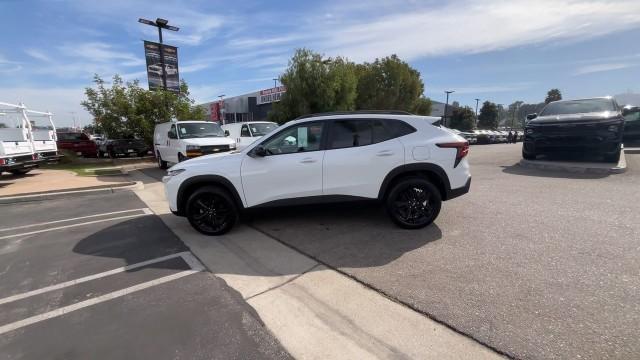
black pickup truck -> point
(125, 147)
(588, 126)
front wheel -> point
(211, 211)
(161, 163)
(19, 171)
(413, 203)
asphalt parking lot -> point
(535, 264)
(101, 277)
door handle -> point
(307, 160)
(385, 153)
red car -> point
(77, 142)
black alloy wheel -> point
(414, 203)
(211, 211)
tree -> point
(553, 95)
(315, 84)
(462, 118)
(388, 84)
(128, 110)
(488, 117)
(422, 106)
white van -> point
(245, 133)
(17, 154)
(177, 141)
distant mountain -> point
(628, 99)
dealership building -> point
(254, 106)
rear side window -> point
(398, 128)
(350, 133)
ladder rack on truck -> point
(21, 147)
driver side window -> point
(301, 138)
(244, 132)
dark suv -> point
(588, 126)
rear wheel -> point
(413, 203)
(528, 156)
(181, 157)
(19, 171)
(161, 163)
(211, 210)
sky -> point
(494, 50)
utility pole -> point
(160, 24)
(446, 105)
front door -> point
(292, 167)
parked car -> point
(482, 136)
(77, 142)
(245, 133)
(122, 147)
(631, 124)
(592, 126)
(402, 160)
(178, 141)
(469, 136)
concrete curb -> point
(578, 167)
(56, 194)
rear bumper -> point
(454, 193)
(18, 162)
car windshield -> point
(261, 129)
(578, 107)
(200, 130)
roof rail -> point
(359, 112)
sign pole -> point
(164, 71)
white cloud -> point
(60, 101)
(475, 26)
(38, 55)
(101, 53)
(590, 69)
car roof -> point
(363, 115)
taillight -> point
(462, 150)
(3, 162)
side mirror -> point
(227, 133)
(259, 151)
(532, 116)
(171, 135)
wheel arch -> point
(434, 173)
(190, 185)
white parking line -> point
(185, 255)
(94, 301)
(145, 210)
(75, 225)
(191, 260)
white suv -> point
(402, 160)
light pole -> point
(499, 108)
(275, 82)
(73, 116)
(477, 102)
(160, 24)
(222, 108)
(446, 105)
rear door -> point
(360, 153)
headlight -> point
(232, 146)
(529, 131)
(175, 172)
(193, 147)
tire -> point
(112, 154)
(211, 211)
(161, 163)
(19, 171)
(615, 157)
(100, 154)
(413, 203)
(181, 158)
(142, 154)
(528, 156)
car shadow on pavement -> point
(352, 235)
(516, 169)
(135, 240)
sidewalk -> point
(40, 180)
(314, 311)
